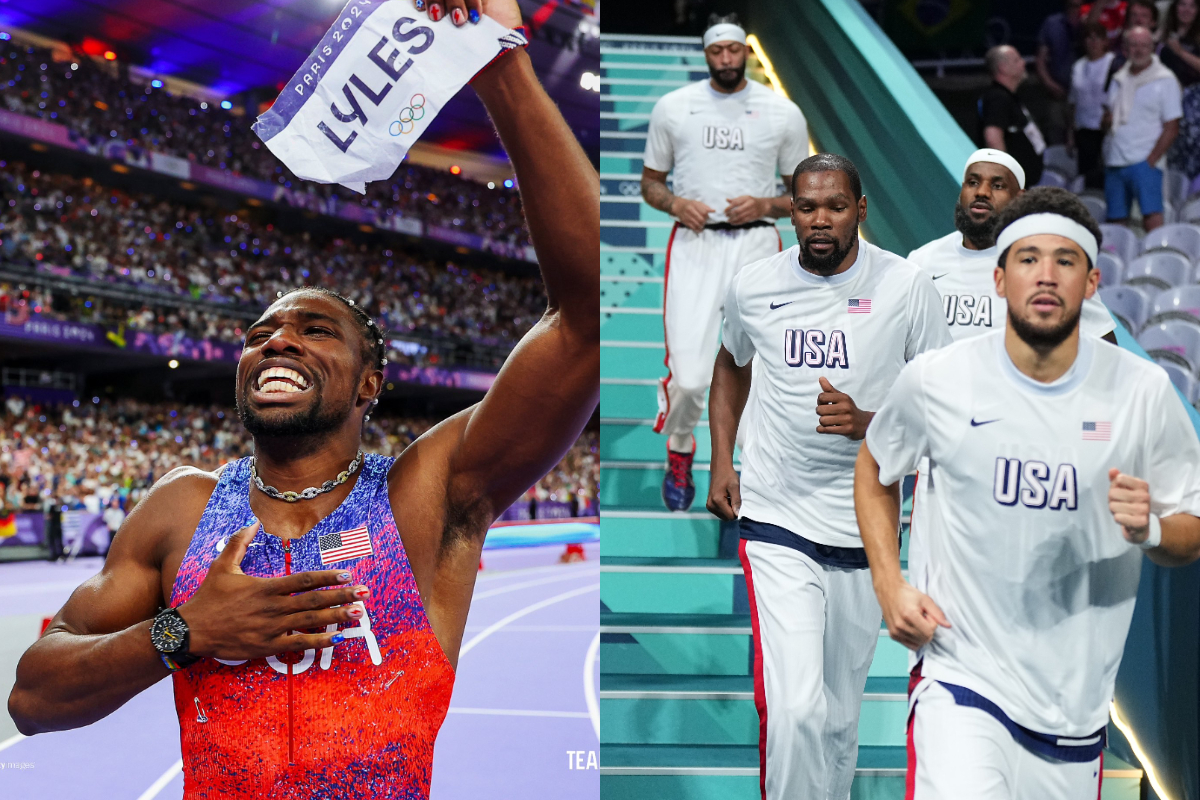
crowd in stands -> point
(98, 106)
(63, 225)
(82, 455)
(1123, 118)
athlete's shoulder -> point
(1127, 367)
(925, 252)
(762, 271)
(887, 265)
(952, 359)
(677, 98)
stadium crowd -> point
(70, 226)
(83, 454)
(98, 107)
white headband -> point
(724, 32)
(996, 157)
(1036, 224)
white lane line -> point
(538, 628)
(162, 781)
(10, 741)
(516, 615)
(512, 587)
(519, 712)
(589, 683)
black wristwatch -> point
(169, 635)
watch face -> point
(169, 633)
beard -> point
(1043, 339)
(727, 85)
(981, 234)
(826, 265)
(317, 420)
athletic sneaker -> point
(678, 489)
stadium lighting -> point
(455, 170)
(109, 55)
(74, 66)
(590, 81)
(173, 364)
(225, 104)
(491, 185)
(508, 184)
(156, 83)
(5, 36)
(1126, 729)
(768, 67)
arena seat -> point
(1078, 185)
(1179, 236)
(1161, 269)
(1120, 240)
(1175, 341)
(1130, 305)
(1052, 178)
(1175, 187)
(1096, 205)
(1058, 159)
(1112, 269)
(1183, 380)
(1190, 211)
(1182, 302)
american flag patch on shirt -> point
(344, 545)
(858, 306)
(1097, 431)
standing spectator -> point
(1055, 54)
(1004, 120)
(1143, 110)
(114, 515)
(1089, 81)
(1181, 55)
(1110, 14)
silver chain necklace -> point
(310, 492)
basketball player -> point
(728, 141)
(830, 323)
(1056, 460)
(961, 265)
(314, 597)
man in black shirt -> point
(1005, 123)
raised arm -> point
(550, 384)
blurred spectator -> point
(1005, 123)
(1143, 110)
(114, 515)
(1110, 14)
(88, 455)
(1142, 14)
(100, 108)
(1181, 54)
(1055, 54)
(1089, 79)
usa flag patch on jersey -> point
(1097, 431)
(859, 306)
(344, 545)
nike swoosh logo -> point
(781, 305)
(944, 274)
(975, 424)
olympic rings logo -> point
(409, 115)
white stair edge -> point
(622, 135)
(878, 772)
(631, 310)
(694, 41)
(652, 65)
(640, 251)
(636, 346)
(634, 223)
(636, 421)
(675, 629)
(628, 382)
(632, 278)
(875, 697)
(640, 82)
(622, 115)
(615, 514)
(671, 570)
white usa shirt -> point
(722, 146)
(1022, 553)
(964, 279)
(857, 329)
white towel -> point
(1128, 84)
(370, 89)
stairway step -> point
(650, 759)
(701, 624)
(658, 533)
(719, 687)
(671, 565)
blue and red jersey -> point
(357, 720)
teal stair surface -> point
(676, 689)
